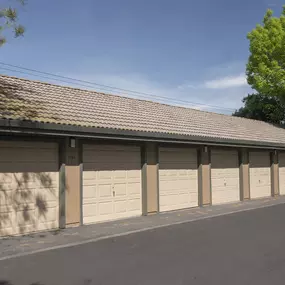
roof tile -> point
(43, 102)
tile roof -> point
(43, 102)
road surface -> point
(242, 248)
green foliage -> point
(264, 108)
(9, 20)
(266, 63)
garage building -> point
(70, 157)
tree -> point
(12, 103)
(262, 107)
(9, 20)
(266, 63)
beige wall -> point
(204, 177)
(72, 194)
(244, 174)
(274, 174)
(72, 184)
(151, 178)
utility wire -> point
(103, 87)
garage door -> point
(281, 173)
(225, 176)
(260, 180)
(111, 182)
(178, 179)
(29, 186)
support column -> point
(274, 174)
(72, 182)
(204, 174)
(150, 178)
(244, 175)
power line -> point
(108, 88)
(103, 87)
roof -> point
(36, 101)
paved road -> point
(242, 248)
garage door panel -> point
(104, 174)
(105, 208)
(29, 181)
(165, 186)
(179, 174)
(281, 157)
(133, 174)
(225, 176)
(7, 225)
(178, 178)
(49, 216)
(184, 198)
(90, 209)
(25, 181)
(134, 205)
(116, 172)
(90, 189)
(46, 199)
(120, 174)
(120, 189)
(104, 191)
(260, 174)
(120, 206)
(47, 226)
(175, 186)
(22, 198)
(168, 202)
(176, 201)
(26, 217)
(134, 189)
(232, 182)
(165, 174)
(5, 200)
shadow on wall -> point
(25, 199)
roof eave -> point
(51, 129)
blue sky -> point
(182, 49)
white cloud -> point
(187, 86)
(226, 82)
(146, 89)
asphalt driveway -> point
(241, 248)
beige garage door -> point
(29, 187)
(178, 179)
(260, 180)
(225, 176)
(111, 182)
(282, 173)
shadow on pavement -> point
(6, 282)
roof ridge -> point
(130, 98)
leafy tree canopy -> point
(266, 63)
(9, 21)
(262, 107)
